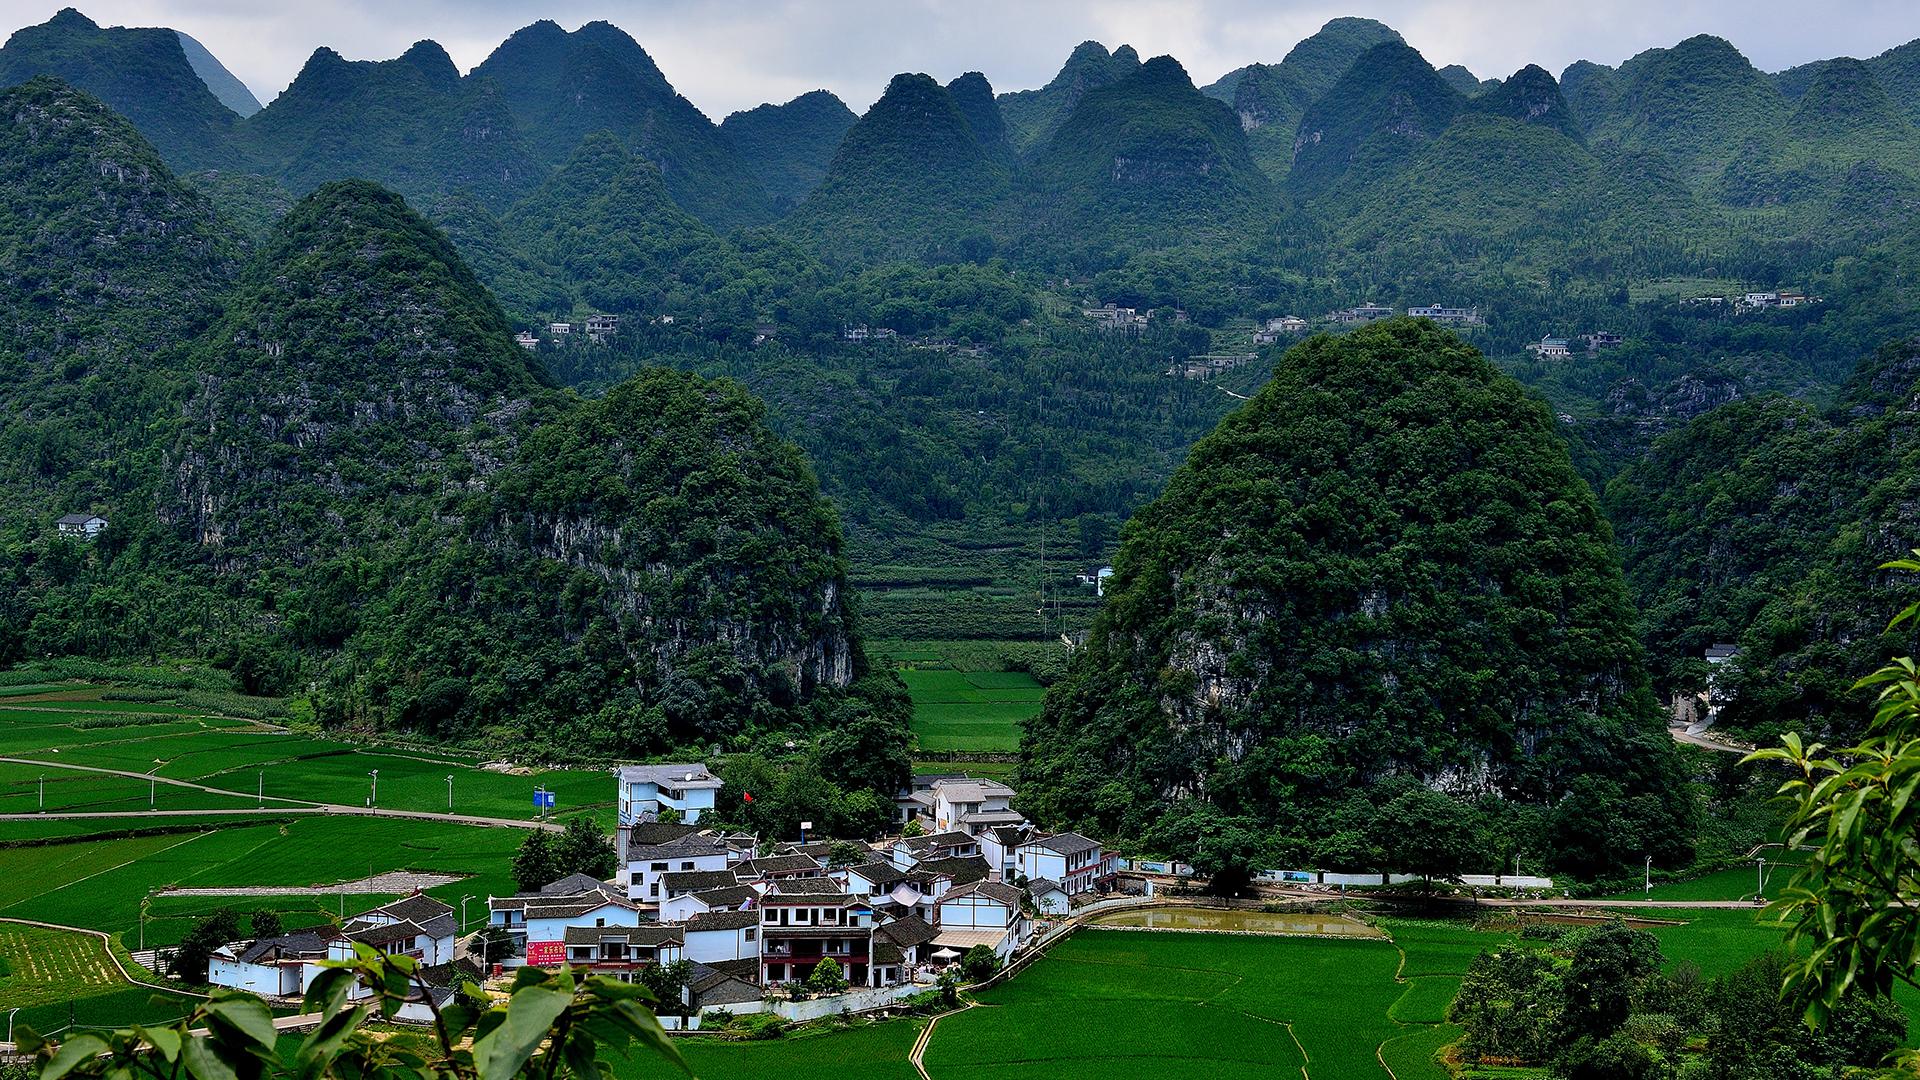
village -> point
(759, 925)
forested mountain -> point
(1761, 523)
(1697, 103)
(912, 179)
(143, 74)
(789, 146)
(1382, 565)
(561, 87)
(1147, 162)
(111, 264)
(1032, 116)
(1377, 115)
(411, 123)
(1271, 98)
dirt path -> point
(393, 881)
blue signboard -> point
(543, 799)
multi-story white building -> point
(1075, 862)
(646, 790)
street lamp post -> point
(373, 798)
(10, 1023)
(43, 793)
(449, 793)
(1649, 875)
(260, 788)
(1760, 878)
(153, 793)
(463, 912)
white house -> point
(723, 935)
(999, 844)
(537, 923)
(81, 526)
(649, 864)
(910, 852)
(970, 806)
(646, 790)
(621, 951)
(1073, 861)
(686, 905)
(984, 913)
(271, 967)
(1049, 898)
(418, 926)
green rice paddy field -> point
(971, 710)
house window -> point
(659, 866)
(776, 972)
(750, 935)
(654, 890)
(686, 866)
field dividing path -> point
(293, 806)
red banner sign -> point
(546, 953)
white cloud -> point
(733, 54)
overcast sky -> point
(733, 54)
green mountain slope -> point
(1761, 523)
(1388, 104)
(973, 96)
(1530, 96)
(1146, 162)
(1698, 103)
(111, 263)
(1381, 566)
(143, 74)
(1032, 116)
(225, 87)
(1271, 98)
(410, 123)
(560, 87)
(911, 179)
(789, 146)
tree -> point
(848, 853)
(552, 1026)
(584, 848)
(196, 949)
(266, 923)
(537, 863)
(495, 943)
(861, 749)
(912, 829)
(669, 815)
(979, 963)
(1854, 907)
(1607, 968)
(826, 977)
(1426, 832)
(668, 984)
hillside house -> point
(80, 526)
(1074, 861)
(1359, 313)
(559, 329)
(805, 920)
(1601, 339)
(1209, 365)
(1110, 317)
(526, 341)
(646, 790)
(1448, 316)
(648, 865)
(984, 913)
(723, 935)
(602, 327)
(1551, 348)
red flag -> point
(748, 795)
